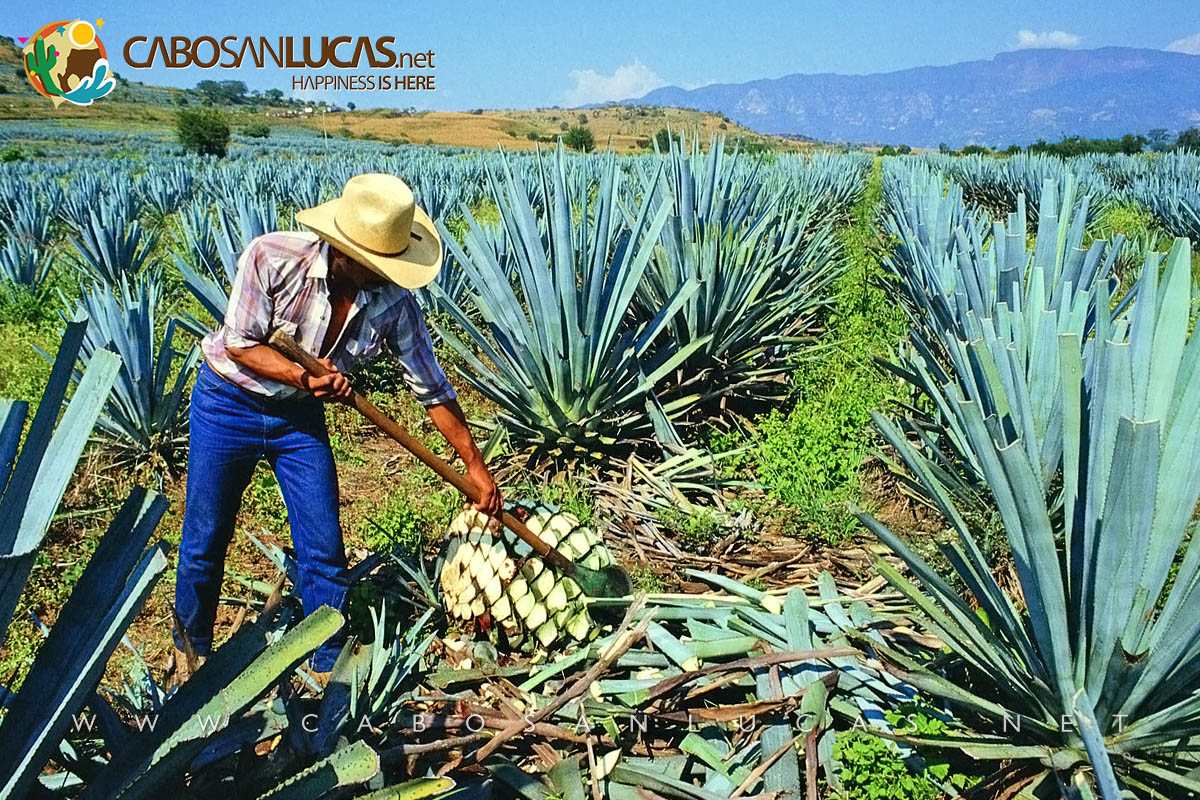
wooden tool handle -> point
(289, 348)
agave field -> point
(901, 453)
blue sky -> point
(508, 54)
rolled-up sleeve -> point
(251, 308)
(410, 342)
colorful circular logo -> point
(66, 62)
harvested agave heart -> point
(495, 580)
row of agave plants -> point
(1066, 405)
(669, 280)
(1167, 185)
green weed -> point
(695, 531)
(407, 526)
(568, 494)
(809, 457)
(646, 580)
(871, 768)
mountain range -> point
(1014, 98)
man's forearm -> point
(450, 421)
(266, 361)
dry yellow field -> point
(624, 129)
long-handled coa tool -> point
(611, 581)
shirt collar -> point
(319, 268)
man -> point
(341, 292)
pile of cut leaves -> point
(736, 692)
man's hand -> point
(490, 502)
(333, 386)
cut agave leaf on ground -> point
(354, 764)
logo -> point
(66, 62)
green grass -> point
(809, 456)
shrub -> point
(203, 131)
(663, 138)
(887, 150)
(579, 138)
(256, 130)
(903, 149)
(10, 154)
(975, 149)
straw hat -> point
(376, 222)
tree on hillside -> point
(663, 139)
(273, 95)
(1189, 140)
(222, 92)
(203, 131)
(579, 138)
(1131, 144)
(350, 106)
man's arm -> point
(450, 421)
(427, 381)
(266, 361)
(247, 326)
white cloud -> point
(1030, 39)
(629, 80)
(1188, 44)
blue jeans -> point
(231, 429)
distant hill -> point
(136, 105)
(1014, 98)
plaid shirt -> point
(282, 283)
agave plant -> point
(762, 274)
(27, 220)
(146, 413)
(24, 264)
(571, 378)
(1092, 677)
(206, 254)
(165, 190)
(81, 198)
(112, 244)
(35, 475)
(958, 285)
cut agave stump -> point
(496, 580)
